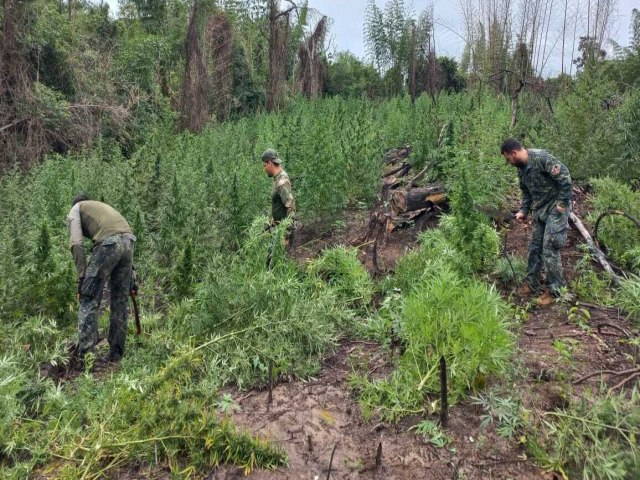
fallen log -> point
(596, 252)
(410, 219)
(420, 175)
(403, 201)
(402, 170)
(396, 154)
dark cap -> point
(271, 155)
(81, 197)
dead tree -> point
(312, 71)
(279, 33)
(196, 85)
(412, 73)
(23, 138)
(219, 40)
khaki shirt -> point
(94, 220)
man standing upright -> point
(283, 204)
(546, 191)
(112, 260)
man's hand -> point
(560, 208)
(269, 225)
(80, 280)
(520, 216)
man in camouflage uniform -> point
(283, 204)
(111, 259)
(546, 191)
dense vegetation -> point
(213, 314)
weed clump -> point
(620, 236)
(280, 316)
(436, 310)
(628, 297)
(342, 270)
(593, 438)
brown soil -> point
(309, 419)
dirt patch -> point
(309, 419)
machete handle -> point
(136, 314)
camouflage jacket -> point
(282, 203)
(545, 183)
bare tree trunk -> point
(573, 47)
(564, 32)
(196, 86)
(589, 18)
(311, 66)
(412, 76)
(219, 44)
(272, 89)
(515, 102)
(546, 38)
(278, 41)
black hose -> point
(597, 225)
(612, 212)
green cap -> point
(270, 154)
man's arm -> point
(76, 240)
(525, 205)
(283, 187)
(560, 174)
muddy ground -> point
(319, 419)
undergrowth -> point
(628, 298)
(620, 236)
(594, 438)
(435, 308)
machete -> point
(136, 314)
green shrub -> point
(583, 134)
(13, 380)
(510, 270)
(341, 269)
(447, 246)
(620, 235)
(280, 316)
(628, 297)
(588, 284)
(444, 315)
(594, 438)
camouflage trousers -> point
(111, 261)
(547, 239)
